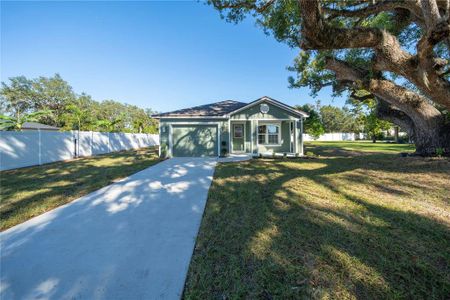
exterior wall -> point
(254, 112)
(285, 145)
(250, 116)
(165, 124)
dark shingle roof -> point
(35, 125)
(217, 109)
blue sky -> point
(160, 55)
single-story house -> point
(259, 127)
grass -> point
(359, 222)
(357, 148)
(29, 192)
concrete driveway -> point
(130, 240)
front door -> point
(238, 135)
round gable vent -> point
(264, 108)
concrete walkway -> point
(130, 240)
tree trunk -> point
(396, 134)
(429, 140)
(430, 130)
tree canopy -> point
(24, 99)
(395, 52)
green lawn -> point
(29, 192)
(359, 222)
(356, 148)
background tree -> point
(70, 111)
(374, 127)
(16, 122)
(313, 124)
(17, 98)
(55, 94)
(396, 51)
(337, 119)
(111, 125)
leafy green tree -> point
(108, 125)
(17, 98)
(16, 122)
(337, 119)
(71, 111)
(52, 93)
(313, 124)
(397, 51)
(374, 127)
(81, 114)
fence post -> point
(79, 142)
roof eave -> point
(274, 102)
(188, 117)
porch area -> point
(266, 137)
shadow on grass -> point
(31, 191)
(301, 229)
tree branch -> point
(387, 5)
(414, 105)
(250, 5)
(361, 98)
(318, 35)
(387, 112)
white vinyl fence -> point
(329, 137)
(28, 148)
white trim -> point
(230, 144)
(170, 140)
(295, 137)
(191, 117)
(245, 135)
(264, 120)
(274, 120)
(251, 136)
(218, 140)
(194, 123)
(159, 131)
(266, 134)
(257, 139)
(301, 141)
(271, 101)
(291, 138)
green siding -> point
(254, 112)
(248, 136)
(165, 124)
(285, 141)
(251, 113)
(194, 140)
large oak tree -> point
(394, 51)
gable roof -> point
(274, 102)
(218, 109)
(224, 109)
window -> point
(262, 134)
(238, 130)
(269, 134)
